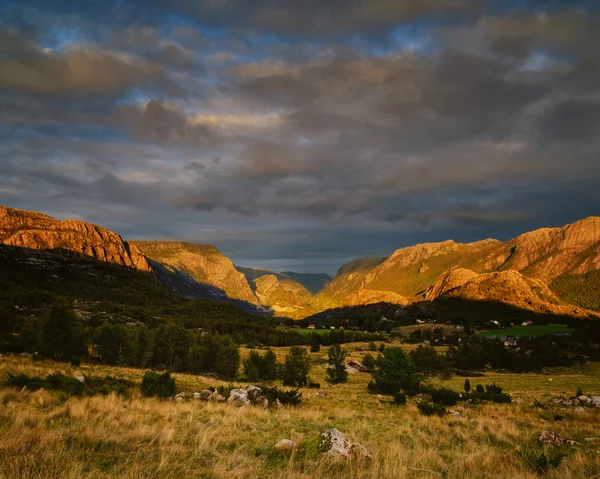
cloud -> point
(301, 134)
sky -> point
(299, 135)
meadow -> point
(527, 331)
(44, 434)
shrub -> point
(400, 399)
(225, 391)
(491, 393)
(467, 385)
(372, 346)
(393, 372)
(59, 382)
(541, 458)
(292, 397)
(159, 385)
(368, 362)
(431, 409)
(444, 396)
(296, 367)
(579, 392)
(260, 366)
(314, 386)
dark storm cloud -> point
(297, 135)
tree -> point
(227, 361)
(336, 373)
(368, 362)
(296, 367)
(467, 385)
(62, 335)
(315, 343)
(29, 336)
(171, 341)
(393, 372)
(428, 362)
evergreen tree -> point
(336, 373)
(62, 335)
(393, 372)
(315, 343)
(296, 367)
(467, 385)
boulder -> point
(277, 404)
(555, 439)
(203, 395)
(285, 446)
(81, 379)
(253, 392)
(584, 400)
(238, 398)
(454, 413)
(262, 401)
(180, 397)
(216, 397)
(358, 367)
(335, 446)
(595, 401)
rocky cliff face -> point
(32, 230)
(548, 252)
(203, 263)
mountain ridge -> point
(523, 271)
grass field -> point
(528, 331)
(47, 435)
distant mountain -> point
(313, 282)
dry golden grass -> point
(46, 435)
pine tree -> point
(336, 373)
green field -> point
(318, 331)
(529, 331)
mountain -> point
(311, 281)
(314, 283)
(33, 230)
(550, 270)
(203, 263)
(285, 297)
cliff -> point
(32, 230)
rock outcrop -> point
(285, 297)
(33, 230)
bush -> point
(159, 385)
(431, 409)
(444, 396)
(393, 372)
(372, 346)
(59, 382)
(400, 399)
(296, 367)
(292, 397)
(467, 385)
(261, 366)
(314, 386)
(541, 458)
(368, 362)
(491, 393)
